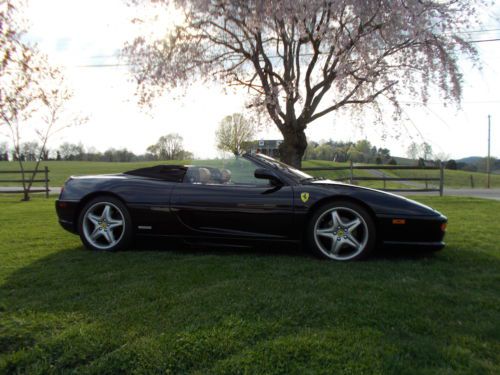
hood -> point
(381, 201)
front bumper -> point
(412, 232)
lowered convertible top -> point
(172, 173)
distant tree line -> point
(168, 147)
(423, 153)
(360, 152)
(477, 165)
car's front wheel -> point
(341, 231)
(104, 224)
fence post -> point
(441, 178)
(46, 171)
(472, 181)
(385, 187)
(426, 183)
(351, 175)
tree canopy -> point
(29, 85)
(169, 147)
(234, 132)
(303, 59)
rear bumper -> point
(66, 212)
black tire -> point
(327, 241)
(107, 230)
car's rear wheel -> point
(104, 224)
(341, 231)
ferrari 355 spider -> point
(242, 201)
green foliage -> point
(361, 151)
(451, 164)
(163, 309)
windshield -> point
(295, 173)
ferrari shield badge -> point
(304, 197)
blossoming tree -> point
(304, 59)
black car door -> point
(235, 209)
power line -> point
(484, 40)
(464, 102)
(477, 31)
(115, 65)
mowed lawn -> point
(163, 309)
(61, 170)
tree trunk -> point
(26, 191)
(293, 147)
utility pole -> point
(488, 166)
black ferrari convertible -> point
(243, 201)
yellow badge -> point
(304, 197)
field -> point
(61, 170)
(455, 179)
(162, 309)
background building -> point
(266, 146)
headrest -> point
(225, 175)
(204, 175)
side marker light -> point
(398, 221)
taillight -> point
(443, 227)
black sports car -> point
(242, 201)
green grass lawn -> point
(161, 309)
(61, 170)
(342, 174)
(454, 179)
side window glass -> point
(234, 171)
(242, 172)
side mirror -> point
(266, 174)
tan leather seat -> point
(205, 175)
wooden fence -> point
(45, 180)
(353, 178)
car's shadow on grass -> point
(80, 308)
(205, 248)
(266, 249)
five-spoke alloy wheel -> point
(342, 231)
(104, 224)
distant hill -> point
(470, 159)
(405, 161)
